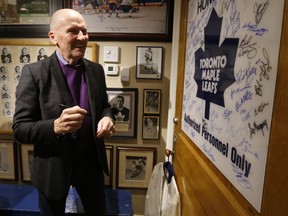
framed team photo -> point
(26, 157)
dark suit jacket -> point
(41, 89)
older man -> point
(62, 108)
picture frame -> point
(149, 62)
(10, 72)
(31, 19)
(8, 160)
(126, 119)
(109, 154)
(26, 157)
(135, 166)
(150, 127)
(151, 22)
(151, 101)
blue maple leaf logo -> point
(214, 67)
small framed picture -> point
(135, 166)
(124, 106)
(8, 170)
(151, 101)
(109, 154)
(26, 158)
(150, 128)
(149, 62)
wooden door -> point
(204, 190)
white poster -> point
(230, 75)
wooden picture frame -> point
(152, 22)
(31, 20)
(8, 160)
(108, 179)
(126, 119)
(10, 72)
(135, 166)
(149, 62)
(26, 157)
(151, 127)
(151, 101)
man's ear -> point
(51, 35)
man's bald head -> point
(61, 17)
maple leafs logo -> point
(214, 67)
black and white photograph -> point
(135, 166)
(151, 101)
(109, 154)
(7, 160)
(123, 103)
(150, 128)
(26, 160)
(149, 62)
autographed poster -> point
(230, 75)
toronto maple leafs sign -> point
(214, 67)
(231, 59)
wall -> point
(128, 59)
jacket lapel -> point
(60, 81)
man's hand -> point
(70, 120)
(106, 127)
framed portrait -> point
(124, 107)
(8, 161)
(150, 128)
(135, 166)
(109, 154)
(14, 55)
(149, 62)
(151, 101)
(26, 157)
(127, 21)
(28, 18)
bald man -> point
(62, 108)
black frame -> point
(29, 30)
(165, 37)
(149, 65)
(152, 102)
(126, 128)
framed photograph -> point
(149, 20)
(151, 101)
(8, 161)
(150, 128)
(124, 107)
(109, 154)
(14, 55)
(149, 62)
(28, 18)
(135, 166)
(26, 157)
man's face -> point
(119, 102)
(3, 5)
(71, 38)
